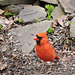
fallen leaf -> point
(67, 23)
(65, 59)
(62, 20)
(54, 22)
(3, 66)
(1, 37)
(53, 25)
(65, 46)
(16, 19)
(1, 11)
(64, 17)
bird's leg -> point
(43, 66)
(50, 67)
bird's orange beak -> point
(36, 39)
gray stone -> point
(72, 28)
(26, 34)
(68, 5)
(8, 2)
(50, 1)
(15, 9)
(72, 3)
(57, 12)
(30, 13)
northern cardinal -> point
(44, 49)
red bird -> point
(45, 51)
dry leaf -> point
(1, 11)
(1, 37)
(64, 17)
(54, 22)
(53, 25)
(4, 58)
(65, 59)
(62, 20)
(65, 46)
(3, 66)
(16, 19)
(67, 23)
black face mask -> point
(38, 42)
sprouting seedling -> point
(20, 20)
(55, 39)
(0, 26)
(49, 8)
(40, 21)
(50, 30)
(14, 15)
(8, 14)
(37, 20)
(73, 38)
(49, 17)
(67, 42)
(69, 23)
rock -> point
(50, 1)
(30, 13)
(72, 3)
(57, 12)
(10, 2)
(68, 5)
(72, 28)
(15, 9)
(25, 34)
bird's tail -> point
(57, 57)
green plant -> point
(73, 38)
(50, 30)
(55, 39)
(14, 15)
(8, 14)
(20, 20)
(67, 42)
(49, 8)
(69, 23)
(37, 20)
(0, 26)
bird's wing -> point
(49, 50)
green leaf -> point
(14, 15)
(40, 21)
(72, 38)
(20, 21)
(0, 26)
(55, 39)
(49, 17)
(69, 23)
(8, 14)
(67, 42)
(47, 6)
(36, 19)
(50, 30)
